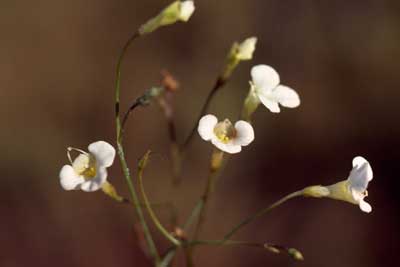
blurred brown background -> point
(57, 70)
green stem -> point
(193, 215)
(225, 243)
(200, 209)
(203, 202)
(169, 256)
(260, 213)
(218, 84)
(153, 216)
(118, 83)
(152, 248)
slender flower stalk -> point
(153, 216)
(215, 165)
(150, 242)
(261, 213)
(274, 248)
(200, 208)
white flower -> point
(354, 189)
(266, 85)
(186, 10)
(224, 135)
(88, 171)
(246, 49)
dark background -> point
(57, 70)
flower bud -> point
(239, 52)
(246, 49)
(177, 11)
(295, 254)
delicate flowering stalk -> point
(200, 208)
(215, 165)
(292, 252)
(352, 190)
(168, 16)
(274, 248)
(261, 213)
(160, 227)
(150, 242)
(238, 53)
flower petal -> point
(103, 152)
(206, 126)
(359, 162)
(187, 9)
(269, 102)
(264, 77)
(360, 175)
(286, 96)
(69, 179)
(95, 183)
(244, 133)
(230, 148)
(365, 207)
(246, 48)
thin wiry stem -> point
(126, 115)
(215, 166)
(218, 84)
(150, 242)
(260, 213)
(153, 216)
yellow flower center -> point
(85, 165)
(225, 131)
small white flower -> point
(88, 171)
(354, 189)
(246, 49)
(186, 10)
(224, 135)
(266, 85)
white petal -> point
(286, 96)
(69, 179)
(362, 162)
(264, 77)
(246, 48)
(230, 148)
(269, 103)
(187, 9)
(360, 175)
(365, 207)
(244, 133)
(103, 152)
(95, 183)
(206, 126)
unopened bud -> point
(177, 11)
(295, 254)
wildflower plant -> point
(88, 170)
